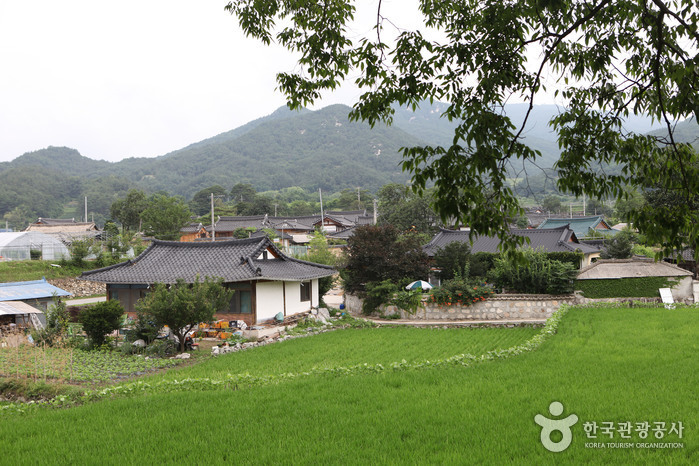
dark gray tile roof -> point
(561, 239)
(290, 224)
(233, 223)
(232, 260)
(191, 228)
(342, 234)
(260, 233)
(303, 222)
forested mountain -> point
(59, 160)
(320, 149)
(307, 149)
(427, 124)
(686, 131)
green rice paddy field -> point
(604, 365)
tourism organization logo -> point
(549, 426)
(606, 433)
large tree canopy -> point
(602, 60)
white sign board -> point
(666, 296)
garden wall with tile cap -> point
(500, 307)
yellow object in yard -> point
(224, 335)
(224, 324)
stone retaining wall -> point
(501, 307)
(79, 288)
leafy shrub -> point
(573, 258)
(57, 319)
(79, 250)
(640, 250)
(407, 300)
(142, 328)
(378, 293)
(538, 274)
(182, 306)
(619, 246)
(100, 319)
(161, 348)
(481, 263)
(35, 254)
(452, 259)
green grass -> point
(603, 365)
(20, 271)
(382, 345)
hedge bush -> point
(645, 287)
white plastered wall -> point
(270, 298)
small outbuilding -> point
(36, 293)
(20, 314)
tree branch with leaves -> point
(602, 60)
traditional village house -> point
(265, 280)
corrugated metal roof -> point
(17, 307)
(231, 260)
(35, 289)
(630, 268)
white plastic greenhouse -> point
(17, 246)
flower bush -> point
(460, 291)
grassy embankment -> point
(604, 365)
(20, 271)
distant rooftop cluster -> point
(292, 230)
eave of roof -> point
(231, 260)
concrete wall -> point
(501, 307)
(684, 290)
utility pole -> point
(85, 209)
(213, 223)
(375, 216)
(359, 199)
(320, 193)
(275, 209)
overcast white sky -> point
(134, 78)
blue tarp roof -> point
(35, 289)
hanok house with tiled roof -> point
(560, 239)
(266, 281)
(192, 232)
(582, 226)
